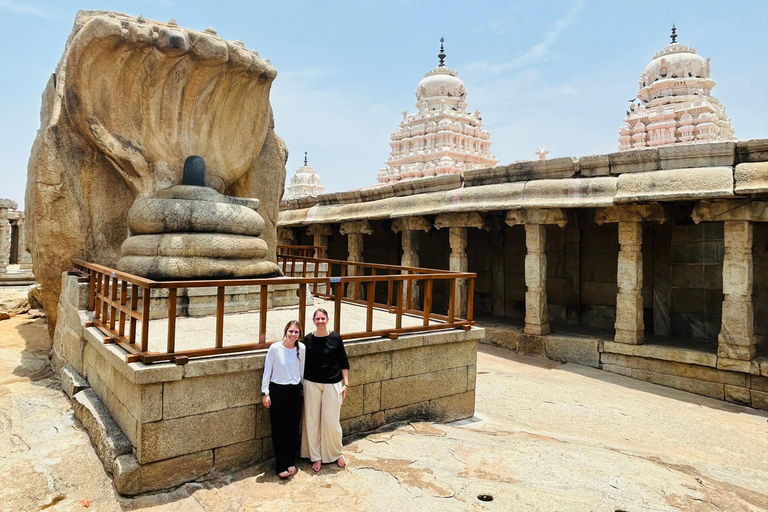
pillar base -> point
(629, 337)
(732, 351)
(537, 329)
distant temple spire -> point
(305, 159)
(441, 55)
(674, 34)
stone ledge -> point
(675, 184)
(676, 354)
(71, 381)
(697, 154)
(753, 150)
(106, 437)
(132, 478)
(698, 387)
(685, 370)
(573, 349)
(751, 178)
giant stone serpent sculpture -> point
(131, 99)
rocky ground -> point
(546, 436)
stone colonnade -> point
(12, 237)
(354, 232)
(736, 341)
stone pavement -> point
(546, 436)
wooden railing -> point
(121, 303)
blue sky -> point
(555, 74)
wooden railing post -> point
(219, 317)
(370, 294)
(399, 309)
(338, 292)
(134, 309)
(471, 299)
(91, 289)
(428, 301)
(303, 307)
(145, 302)
(123, 300)
(113, 304)
(451, 300)
(171, 346)
(263, 299)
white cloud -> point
(535, 54)
(18, 8)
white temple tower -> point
(675, 102)
(304, 182)
(441, 137)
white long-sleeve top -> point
(282, 366)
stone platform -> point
(689, 365)
(160, 425)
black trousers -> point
(284, 418)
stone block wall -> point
(514, 272)
(556, 275)
(599, 260)
(697, 280)
(194, 421)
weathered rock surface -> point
(106, 140)
(546, 436)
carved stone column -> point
(5, 245)
(355, 232)
(536, 314)
(629, 324)
(286, 236)
(409, 228)
(24, 258)
(320, 232)
(457, 224)
(737, 331)
(629, 280)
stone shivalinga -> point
(193, 232)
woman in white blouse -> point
(281, 393)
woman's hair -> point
(320, 310)
(285, 333)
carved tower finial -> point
(305, 159)
(441, 55)
(674, 34)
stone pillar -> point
(409, 228)
(458, 261)
(25, 259)
(629, 280)
(535, 219)
(354, 232)
(5, 244)
(536, 315)
(737, 331)
(286, 236)
(320, 233)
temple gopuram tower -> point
(675, 105)
(304, 182)
(441, 137)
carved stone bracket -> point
(361, 227)
(459, 220)
(286, 234)
(651, 212)
(722, 210)
(536, 216)
(319, 229)
(411, 224)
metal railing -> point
(121, 302)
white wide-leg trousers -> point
(321, 433)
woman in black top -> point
(326, 377)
